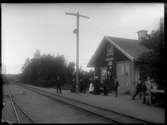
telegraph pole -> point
(77, 45)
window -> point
(123, 68)
(109, 50)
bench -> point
(157, 96)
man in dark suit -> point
(97, 86)
(116, 84)
(138, 90)
(105, 86)
(58, 82)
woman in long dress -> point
(91, 87)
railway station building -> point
(117, 58)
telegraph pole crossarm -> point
(72, 14)
(77, 45)
(77, 14)
(84, 16)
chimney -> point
(142, 34)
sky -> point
(46, 27)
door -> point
(123, 75)
(103, 71)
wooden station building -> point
(116, 58)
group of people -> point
(96, 87)
(82, 86)
(143, 89)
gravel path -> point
(122, 104)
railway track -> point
(105, 113)
(20, 115)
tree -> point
(70, 72)
(150, 62)
(71, 67)
(44, 68)
(27, 62)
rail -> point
(14, 105)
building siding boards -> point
(121, 58)
(132, 77)
(127, 80)
(122, 73)
(118, 58)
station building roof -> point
(131, 48)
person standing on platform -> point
(138, 90)
(73, 87)
(80, 85)
(144, 89)
(105, 89)
(91, 87)
(84, 85)
(116, 84)
(148, 84)
(58, 85)
(96, 86)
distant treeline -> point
(9, 78)
(44, 69)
